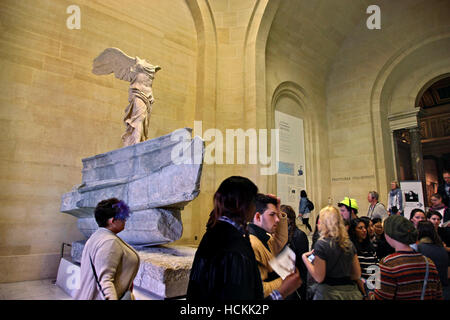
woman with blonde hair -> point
(333, 262)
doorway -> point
(434, 129)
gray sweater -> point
(377, 211)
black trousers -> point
(306, 223)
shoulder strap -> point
(425, 280)
(371, 209)
(96, 278)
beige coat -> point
(116, 264)
(276, 243)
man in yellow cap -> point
(348, 209)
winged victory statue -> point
(140, 74)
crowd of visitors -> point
(225, 265)
(382, 256)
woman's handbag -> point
(126, 295)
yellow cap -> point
(349, 203)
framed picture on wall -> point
(413, 196)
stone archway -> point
(403, 81)
(393, 100)
(292, 99)
(434, 121)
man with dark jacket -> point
(444, 189)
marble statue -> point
(140, 74)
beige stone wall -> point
(54, 111)
(300, 51)
(231, 22)
(227, 63)
(378, 73)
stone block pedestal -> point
(156, 178)
(155, 226)
(164, 270)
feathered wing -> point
(114, 60)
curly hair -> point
(104, 211)
(332, 226)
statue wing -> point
(114, 60)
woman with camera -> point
(333, 263)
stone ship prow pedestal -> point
(157, 178)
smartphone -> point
(311, 257)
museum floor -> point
(32, 290)
(44, 290)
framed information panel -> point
(291, 176)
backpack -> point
(310, 205)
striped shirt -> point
(367, 259)
(402, 275)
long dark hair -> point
(365, 245)
(235, 199)
(426, 230)
(291, 220)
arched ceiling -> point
(309, 33)
(437, 94)
(403, 83)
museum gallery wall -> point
(226, 65)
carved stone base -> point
(144, 175)
(152, 226)
(164, 270)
